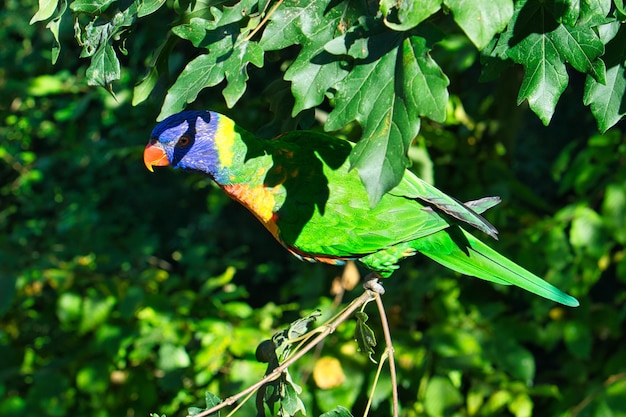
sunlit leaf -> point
(405, 15)
(481, 19)
(46, 10)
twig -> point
(329, 328)
(379, 369)
(388, 342)
(264, 21)
(612, 379)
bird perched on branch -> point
(301, 188)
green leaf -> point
(54, 26)
(92, 7)
(441, 397)
(522, 405)
(594, 12)
(588, 232)
(578, 339)
(143, 89)
(197, 31)
(104, 67)
(387, 93)
(580, 46)
(614, 211)
(314, 70)
(543, 46)
(45, 11)
(95, 311)
(173, 357)
(200, 73)
(406, 14)
(68, 309)
(149, 6)
(364, 335)
(339, 411)
(293, 22)
(291, 403)
(210, 399)
(515, 359)
(608, 100)
(481, 19)
(224, 60)
(235, 69)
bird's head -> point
(185, 140)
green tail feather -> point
(460, 251)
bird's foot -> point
(371, 283)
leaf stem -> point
(264, 21)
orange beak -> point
(154, 155)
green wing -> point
(414, 187)
(460, 251)
(327, 212)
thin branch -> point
(264, 21)
(612, 379)
(389, 343)
(379, 369)
(275, 374)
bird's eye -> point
(183, 141)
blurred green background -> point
(124, 292)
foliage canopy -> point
(370, 60)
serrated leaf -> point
(403, 15)
(608, 101)
(481, 20)
(45, 11)
(543, 46)
(224, 60)
(580, 46)
(545, 75)
(314, 70)
(235, 69)
(387, 93)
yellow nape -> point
(225, 140)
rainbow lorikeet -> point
(301, 188)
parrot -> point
(301, 187)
